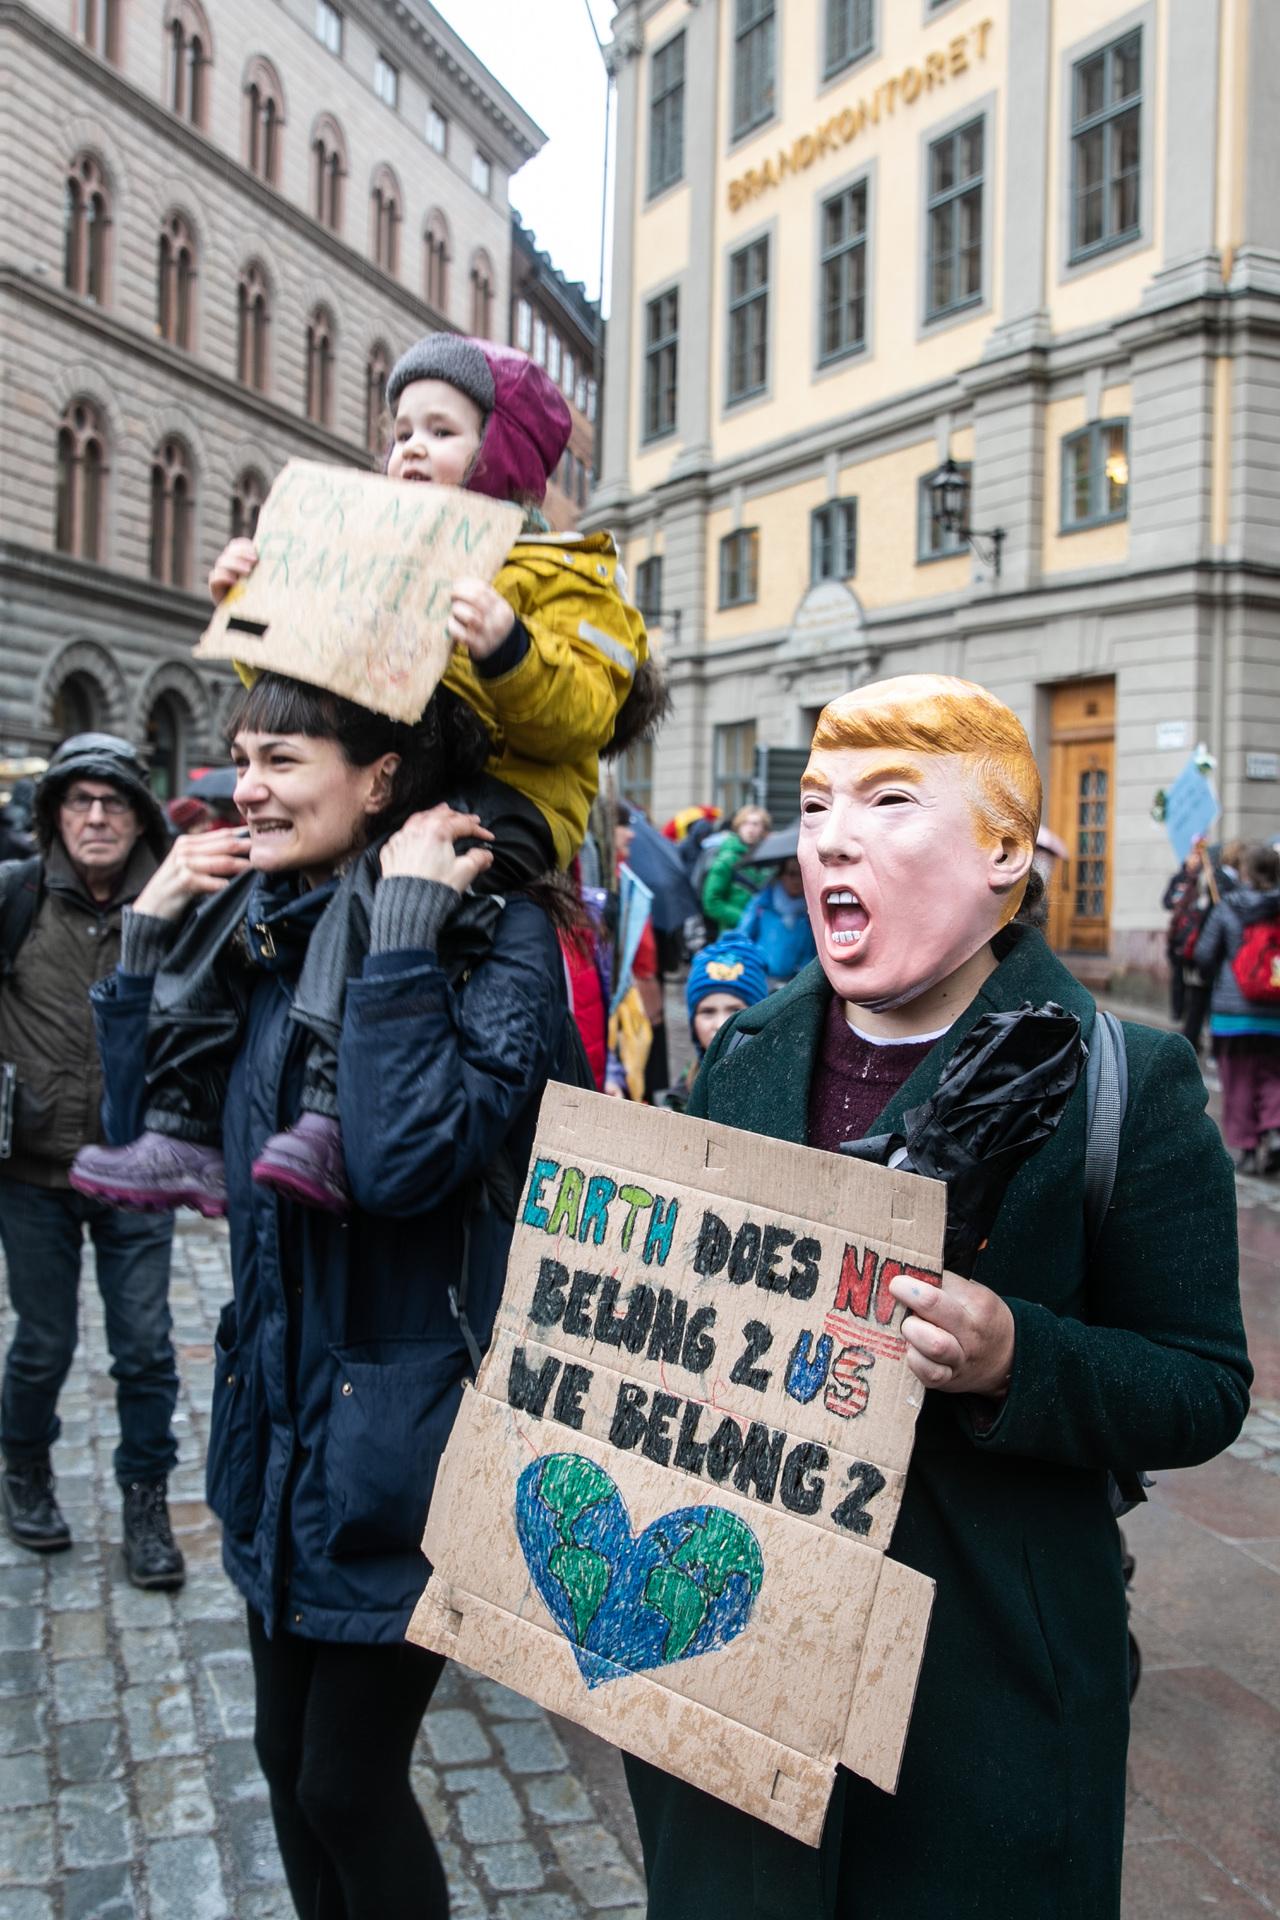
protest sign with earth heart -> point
(664, 1508)
(354, 581)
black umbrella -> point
(783, 844)
(1000, 1097)
(656, 862)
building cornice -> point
(53, 299)
(133, 594)
(189, 140)
(420, 26)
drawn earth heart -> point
(628, 1602)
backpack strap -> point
(21, 891)
(1106, 1098)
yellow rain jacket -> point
(550, 716)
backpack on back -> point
(1256, 963)
(1186, 924)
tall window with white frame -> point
(329, 26)
(749, 320)
(850, 34)
(666, 116)
(953, 215)
(733, 765)
(661, 364)
(649, 588)
(481, 172)
(843, 308)
(1106, 147)
(524, 325)
(386, 81)
(1095, 475)
(740, 567)
(755, 57)
(833, 541)
(437, 131)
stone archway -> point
(81, 690)
(173, 717)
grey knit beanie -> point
(444, 356)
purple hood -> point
(528, 429)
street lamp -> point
(949, 493)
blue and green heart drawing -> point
(628, 1602)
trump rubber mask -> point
(919, 811)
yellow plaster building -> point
(1039, 239)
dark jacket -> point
(339, 1363)
(1217, 947)
(46, 1026)
(1010, 1804)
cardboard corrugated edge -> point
(888, 1674)
(693, 1742)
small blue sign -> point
(1190, 810)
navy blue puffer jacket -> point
(339, 1362)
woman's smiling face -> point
(305, 805)
(900, 889)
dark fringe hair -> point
(647, 705)
(1262, 867)
(446, 747)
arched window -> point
(384, 221)
(252, 327)
(437, 253)
(481, 295)
(176, 282)
(328, 171)
(377, 367)
(78, 706)
(172, 504)
(190, 54)
(320, 336)
(98, 25)
(247, 496)
(86, 222)
(169, 729)
(82, 477)
(264, 120)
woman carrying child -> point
(340, 1360)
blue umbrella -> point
(656, 862)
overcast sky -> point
(544, 53)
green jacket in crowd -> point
(1010, 1804)
(46, 1022)
(726, 896)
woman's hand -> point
(959, 1336)
(196, 863)
(236, 562)
(424, 849)
(479, 618)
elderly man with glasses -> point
(100, 833)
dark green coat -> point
(1010, 1804)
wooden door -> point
(1082, 813)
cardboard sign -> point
(664, 1507)
(353, 583)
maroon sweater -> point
(854, 1081)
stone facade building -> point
(553, 320)
(1039, 239)
(219, 225)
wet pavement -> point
(129, 1787)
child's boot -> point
(154, 1173)
(306, 1164)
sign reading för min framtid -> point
(664, 1508)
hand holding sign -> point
(959, 1335)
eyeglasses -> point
(112, 804)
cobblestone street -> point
(129, 1785)
(128, 1780)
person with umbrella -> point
(1060, 1358)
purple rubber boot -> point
(153, 1174)
(306, 1164)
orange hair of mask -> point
(937, 713)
